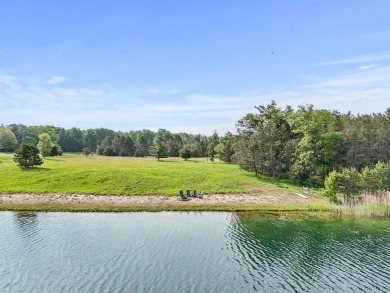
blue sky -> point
(193, 66)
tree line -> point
(306, 144)
(52, 141)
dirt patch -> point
(263, 197)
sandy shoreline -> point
(263, 198)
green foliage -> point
(185, 152)
(8, 140)
(86, 152)
(141, 147)
(332, 186)
(45, 144)
(27, 156)
(108, 151)
(347, 182)
(265, 141)
(351, 183)
(376, 180)
(317, 147)
(90, 139)
(307, 144)
(159, 149)
(213, 142)
(56, 151)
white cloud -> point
(365, 67)
(56, 79)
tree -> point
(225, 149)
(122, 145)
(213, 142)
(185, 152)
(141, 147)
(27, 156)
(317, 149)
(8, 140)
(71, 140)
(265, 143)
(86, 152)
(90, 140)
(56, 150)
(45, 144)
(159, 149)
(347, 182)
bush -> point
(56, 150)
(86, 152)
(185, 152)
(27, 156)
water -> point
(191, 252)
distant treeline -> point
(104, 141)
(303, 144)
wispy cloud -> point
(360, 91)
(56, 79)
(9, 81)
(358, 59)
(156, 90)
(34, 102)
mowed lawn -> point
(74, 173)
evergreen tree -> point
(27, 156)
(159, 149)
(141, 147)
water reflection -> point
(311, 254)
(26, 221)
(191, 252)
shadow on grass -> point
(168, 161)
(54, 159)
(34, 169)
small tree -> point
(45, 144)
(86, 152)
(158, 149)
(211, 151)
(185, 152)
(27, 156)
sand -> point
(267, 197)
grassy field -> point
(74, 173)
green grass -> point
(71, 207)
(73, 173)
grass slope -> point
(73, 173)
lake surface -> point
(191, 252)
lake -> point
(192, 252)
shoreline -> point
(267, 201)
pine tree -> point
(27, 156)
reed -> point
(369, 205)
